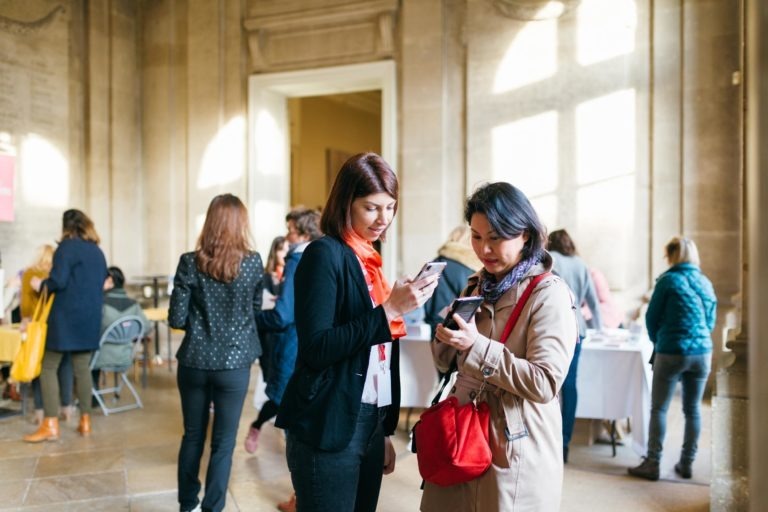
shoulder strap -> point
(519, 306)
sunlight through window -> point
(224, 159)
(605, 137)
(271, 156)
(531, 57)
(44, 173)
(607, 211)
(524, 153)
(606, 29)
(267, 221)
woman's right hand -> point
(408, 295)
(35, 283)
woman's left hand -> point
(389, 456)
(35, 283)
(462, 338)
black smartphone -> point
(465, 307)
(430, 268)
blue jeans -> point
(198, 388)
(668, 369)
(344, 481)
(569, 397)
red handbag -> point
(453, 445)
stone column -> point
(712, 214)
(757, 237)
(432, 126)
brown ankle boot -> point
(48, 431)
(85, 425)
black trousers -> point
(226, 389)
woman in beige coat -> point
(519, 377)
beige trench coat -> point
(523, 377)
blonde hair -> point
(460, 234)
(681, 250)
(43, 259)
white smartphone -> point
(430, 268)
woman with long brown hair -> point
(74, 325)
(216, 295)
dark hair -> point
(76, 224)
(306, 221)
(560, 241)
(118, 278)
(362, 175)
(225, 238)
(277, 243)
(510, 214)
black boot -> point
(648, 469)
(683, 469)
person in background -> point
(303, 227)
(273, 275)
(40, 269)
(680, 319)
(573, 270)
(276, 264)
(343, 400)
(461, 262)
(117, 304)
(77, 278)
(610, 314)
(217, 293)
(518, 377)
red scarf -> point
(374, 277)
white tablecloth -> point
(614, 382)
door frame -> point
(269, 172)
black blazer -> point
(337, 325)
(219, 319)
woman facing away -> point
(518, 377)
(77, 277)
(217, 293)
(575, 273)
(342, 401)
(680, 319)
(40, 269)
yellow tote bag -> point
(28, 362)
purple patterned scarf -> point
(492, 290)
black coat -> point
(337, 325)
(77, 278)
(452, 283)
(219, 319)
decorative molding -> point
(354, 32)
(534, 10)
(15, 26)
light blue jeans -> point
(668, 369)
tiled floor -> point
(129, 464)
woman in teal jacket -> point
(680, 319)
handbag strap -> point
(43, 307)
(519, 306)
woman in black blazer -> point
(343, 399)
(216, 295)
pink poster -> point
(7, 163)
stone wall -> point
(69, 113)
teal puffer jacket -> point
(681, 315)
